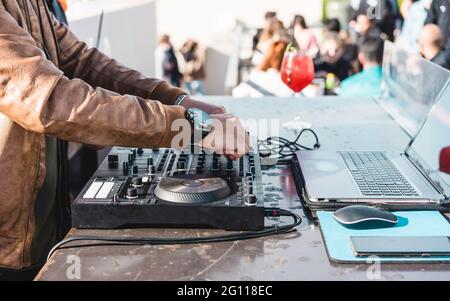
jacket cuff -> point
(172, 113)
(166, 94)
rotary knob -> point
(113, 161)
(250, 189)
(181, 165)
(132, 193)
(137, 182)
(125, 167)
(251, 200)
(135, 170)
(140, 151)
(152, 170)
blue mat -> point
(411, 223)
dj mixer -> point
(171, 188)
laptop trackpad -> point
(326, 176)
(328, 166)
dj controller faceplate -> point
(142, 188)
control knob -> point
(132, 193)
(137, 182)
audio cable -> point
(138, 241)
(283, 148)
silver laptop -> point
(420, 175)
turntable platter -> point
(192, 189)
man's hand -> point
(228, 137)
(189, 103)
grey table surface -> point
(341, 124)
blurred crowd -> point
(184, 67)
(348, 57)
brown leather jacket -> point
(53, 84)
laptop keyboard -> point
(376, 175)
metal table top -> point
(340, 123)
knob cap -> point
(137, 181)
(140, 151)
(125, 167)
(113, 161)
(250, 189)
(113, 158)
(135, 170)
(251, 200)
(130, 158)
(132, 193)
(181, 165)
(151, 170)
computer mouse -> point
(365, 217)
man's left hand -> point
(211, 109)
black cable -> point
(119, 241)
(283, 148)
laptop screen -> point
(431, 148)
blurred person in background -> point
(414, 15)
(266, 40)
(432, 43)
(439, 14)
(269, 17)
(166, 62)
(405, 7)
(365, 27)
(194, 67)
(304, 37)
(332, 26)
(367, 82)
(331, 60)
(273, 57)
(383, 13)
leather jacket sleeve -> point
(35, 94)
(98, 70)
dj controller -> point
(169, 188)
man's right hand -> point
(228, 137)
